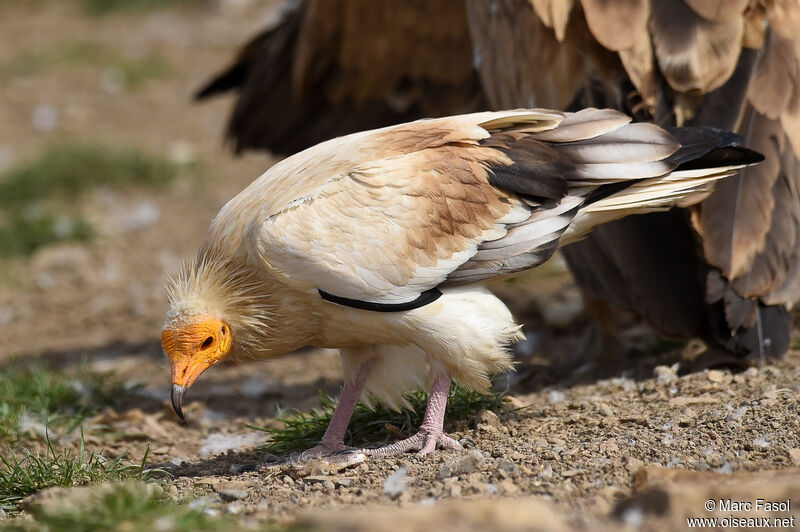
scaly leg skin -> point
(431, 432)
(332, 441)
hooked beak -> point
(184, 376)
(177, 399)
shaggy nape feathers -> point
(226, 288)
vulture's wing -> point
(395, 211)
(382, 217)
(332, 67)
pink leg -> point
(431, 432)
(333, 439)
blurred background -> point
(110, 172)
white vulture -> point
(726, 271)
(377, 243)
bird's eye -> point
(207, 342)
(223, 331)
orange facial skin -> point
(192, 349)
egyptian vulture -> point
(377, 243)
(725, 271)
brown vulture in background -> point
(726, 271)
(332, 67)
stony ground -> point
(584, 448)
(577, 446)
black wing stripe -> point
(426, 297)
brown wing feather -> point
(505, 65)
(378, 44)
(717, 10)
(770, 269)
(735, 219)
(788, 293)
(784, 18)
(554, 14)
(333, 67)
(523, 62)
(638, 61)
(616, 24)
(693, 54)
(775, 88)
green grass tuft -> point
(69, 169)
(70, 53)
(303, 430)
(24, 232)
(34, 193)
(128, 71)
(135, 72)
(38, 394)
(659, 346)
(31, 472)
(102, 7)
(128, 506)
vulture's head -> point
(217, 309)
(193, 344)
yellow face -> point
(192, 349)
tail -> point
(705, 156)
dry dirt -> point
(566, 458)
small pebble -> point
(761, 443)
(487, 417)
(556, 396)
(794, 454)
(396, 483)
(604, 410)
(737, 414)
(461, 466)
(715, 375)
(666, 374)
(506, 468)
(232, 495)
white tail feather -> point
(678, 189)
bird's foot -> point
(424, 442)
(324, 449)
